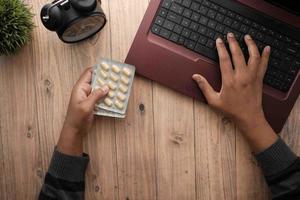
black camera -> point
(73, 20)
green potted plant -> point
(15, 25)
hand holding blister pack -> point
(119, 78)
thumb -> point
(96, 95)
(209, 93)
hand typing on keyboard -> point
(240, 97)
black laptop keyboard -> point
(196, 24)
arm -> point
(240, 99)
(65, 177)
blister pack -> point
(119, 78)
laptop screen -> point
(292, 6)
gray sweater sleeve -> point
(65, 177)
(281, 168)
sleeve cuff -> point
(276, 158)
(71, 168)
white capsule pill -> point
(121, 96)
(119, 105)
(108, 102)
(114, 77)
(111, 94)
(104, 66)
(116, 69)
(100, 82)
(123, 88)
(127, 71)
(103, 74)
(112, 86)
(125, 80)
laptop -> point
(176, 39)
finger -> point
(254, 55)
(236, 52)
(264, 62)
(87, 88)
(86, 76)
(225, 61)
(209, 93)
(95, 96)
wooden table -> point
(174, 148)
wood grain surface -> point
(168, 147)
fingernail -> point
(248, 37)
(230, 35)
(105, 88)
(197, 77)
(267, 49)
(219, 41)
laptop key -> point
(236, 25)
(210, 33)
(206, 3)
(244, 29)
(163, 12)
(186, 3)
(187, 13)
(210, 44)
(212, 14)
(268, 40)
(202, 30)
(296, 44)
(165, 33)
(220, 28)
(220, 18)
(247, 22)
(186, 33)
(203, 10)
(194, 26)
(174, 17)
(178, 29)
(181, 40)
(174, 37)
(252, 32)
(223, 11)
(291, 50)
(214, 6)
(203, 20)
(239, 18)
(202, 40)
(178, 1)
(195, 6)
(228, 21)
(185, 22)
(275, 53)
(159, 20)
(166, 3)
(231, 14)
(155, 29)
(176, 8)
(194, 36)
(212, 24)
(168, 25)
(189, 44)
(195, 17)
(206, 51)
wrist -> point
(70, 141)
(258, 133)
(252, 123)
(73, 128)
